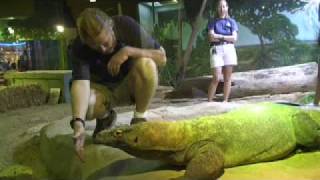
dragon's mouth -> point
(139, 152)
(121, 145)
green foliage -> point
(283, 53)
(264, 19)
(247, 58)
(192, 8)
(166, 31)
(167, 35)
(168, 73)
(276, 28)
(2, 26)
(199, 64)
(252, 13)
(308, 99)
(25, 33)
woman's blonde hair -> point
(217, 15)
(91, 22)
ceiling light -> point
(92, 0)
(60, 28)
(11, 30)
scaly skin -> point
(251, 134)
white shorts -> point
(224, 55)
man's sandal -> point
(137, 120)
(105, 123)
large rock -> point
(57, 152)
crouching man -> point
(114, 62)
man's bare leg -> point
(143, 81)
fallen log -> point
(317, 91)
(281, 80)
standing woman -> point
(222, 36)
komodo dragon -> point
(206, 145)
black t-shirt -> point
(88, 64)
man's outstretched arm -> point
(80, 92)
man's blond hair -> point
(91, 22)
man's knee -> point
(145, 68)
(92, 103)
(97, 105)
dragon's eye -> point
(118, 133)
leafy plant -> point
(308, 99)
(24, 33)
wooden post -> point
(317, 95)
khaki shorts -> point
(224, 55)
(118, 95)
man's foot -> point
(137, 120)
(105, 123)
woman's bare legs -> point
(227, 73)
(214, 83)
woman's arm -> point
(232, 38)
(213, 37)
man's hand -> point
(117, 60)
(79, 137)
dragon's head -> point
(150, 136)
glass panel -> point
(271, 34)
